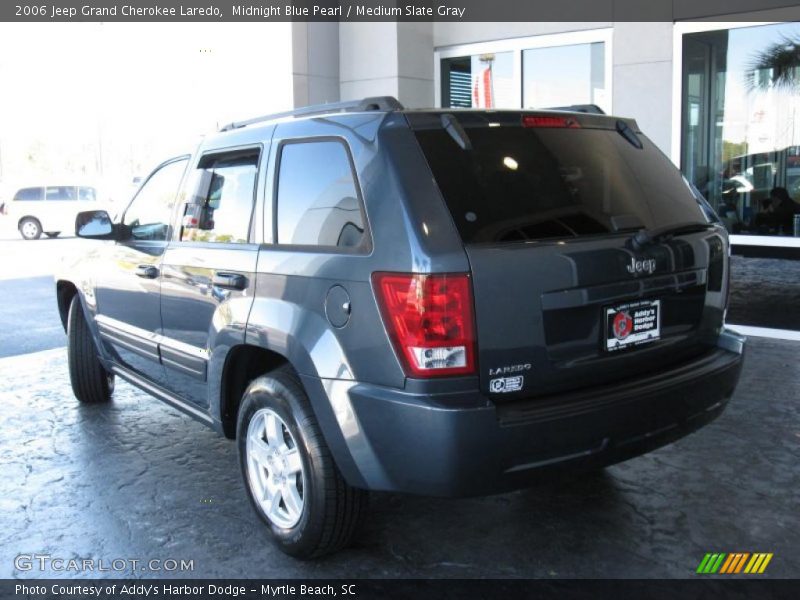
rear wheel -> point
(290, 476)
(30, 228)
(91, 383)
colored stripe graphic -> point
(741, 562)
(759, 562)
(734, 563)
(711, 563)
(729, 564)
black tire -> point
(52, 234)
(30, 228)
(332, 510)
(91, 383)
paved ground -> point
(765, 292)
(29, 319)
(135, 479)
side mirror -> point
(94, 224)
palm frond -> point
(777, 66)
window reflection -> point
(564, 75)
(479, 81)
(740, 130)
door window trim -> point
(366, 244)
(213, 153)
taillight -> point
(430, 321)
(549, 121)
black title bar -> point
(387, 589)
(388, 10)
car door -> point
(127, 278)
(208, 270)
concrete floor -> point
(135, 479)
(764, 293)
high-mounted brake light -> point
(430, 321)
(549, 121)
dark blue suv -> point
(440, 302)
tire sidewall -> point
(272, 392)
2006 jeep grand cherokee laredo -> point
(430, 301)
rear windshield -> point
(513, 183)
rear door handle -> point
(229, 281)
(147, 271)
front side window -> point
(740, 130)
(150, 213)
(318, 203)
(28, 194)
(221, 202)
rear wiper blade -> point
(644, 237)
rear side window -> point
(87, 194)
(60, 193)
(221, 205)
(513, 183)
(28, 194)
(317, 198)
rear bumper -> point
(415, 443)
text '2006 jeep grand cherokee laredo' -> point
(431, 301)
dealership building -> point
(715, 95)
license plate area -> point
(632, 324)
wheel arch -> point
(243, 364)
(65, 292)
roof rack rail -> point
(376, 103)
(582, 108)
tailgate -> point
(546, 315)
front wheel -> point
(290, 476)
(52, 234)
(30, 228)
(91, 383)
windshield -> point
(514, 183)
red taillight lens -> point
(430, 321)
(549, 121)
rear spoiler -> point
(592, 109)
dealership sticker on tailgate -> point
(632, 324)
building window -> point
(535, 72)
(479, 81)
(564, 75)
(740, 125)
(318, 202)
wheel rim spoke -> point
(259, 452)
(291, 498)
(294, 464)
(274, 430)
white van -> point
(48, 209)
